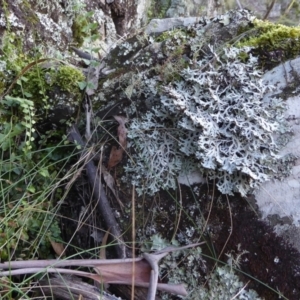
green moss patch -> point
(273, 43)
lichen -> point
(225, 284)
(29, 13)
(205, 110)
(188, 266)
(215, 119)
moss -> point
(28, 13)
(2, 86)
(39, 80)
(82, 28)
(78, 34)
(166, 35)
(174, 48)
(26, 173)
(6, 13)
(273, 43)
(30, 163)
(68, 79)
(171, 69)
(158, 9)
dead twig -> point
(70, 287)
(269, 10)
(113, 271)
(153, 260)
(99, 195)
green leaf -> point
(95, 37)
(96, 50)
(17, 171)
(28, 95)
(91, 85)
(44, 172)
(24, 79)
(93, 26)
(89, 14)
(87, 61)
(31, 189)
(82, 85)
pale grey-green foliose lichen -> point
(213, 117)
(222, 283)
(206, 112)
(225, 284)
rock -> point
(180, 8)
(282, 197)
(160, 25)
(33, 29)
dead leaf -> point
(103, 248)
(115, 271)
(110, 182)
(115, 157)
(122, 131)
(122, 272)
(58, 248)
(116, 154)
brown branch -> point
(269, 10)
(70, 287)
(99, 195)
(82, 262)
(153, 260)
(114, 271)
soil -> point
(228, 225)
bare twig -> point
(81, 262)
(114, 271)
(170, 288)
(231, 228)
(70, 287)
(286, 11)
(269, 10)
(240, 291)
(239, 4)
(153, 260)
(178, 217)
(133, 242)
(100, 196)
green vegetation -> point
(32, 163)
(36, 165)
(31, 172)
(273, 43)
(158, 9)
(83, 27)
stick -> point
(153, 260)
(100, 196)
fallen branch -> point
(99, 195)
(113, 271)
(153, 260)
(70, 287)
